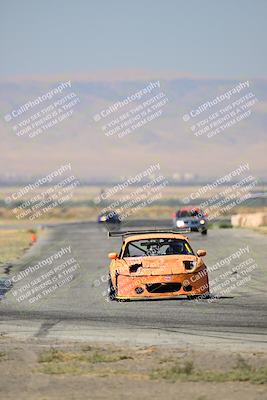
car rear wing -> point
(147, 231)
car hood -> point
(159, 265)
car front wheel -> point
(111, 290)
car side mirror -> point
(201, 253)
(113, 256)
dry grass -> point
(13, 243)
(85, 213)
(90, 214)
(261, 229)
(54, 361)
(91, 356)
(82, 206)
(242, 372)
(71, 370)
(116, 362)
(3, 356)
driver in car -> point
(175, 248)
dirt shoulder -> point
(14, 242)
(40, 369)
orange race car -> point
(156, 264)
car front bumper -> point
(158, 286)
(194, 227)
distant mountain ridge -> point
(167, 139)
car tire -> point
(191, 297)
(204, 232)
(122, 300)
(111, 290)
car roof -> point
(155, 236)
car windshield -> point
(157, 247)
(188, 214)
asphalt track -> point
(79, 310)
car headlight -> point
(202, 221)
(103, 219)
(190, 264)
(180, 223)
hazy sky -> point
(203, 38)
